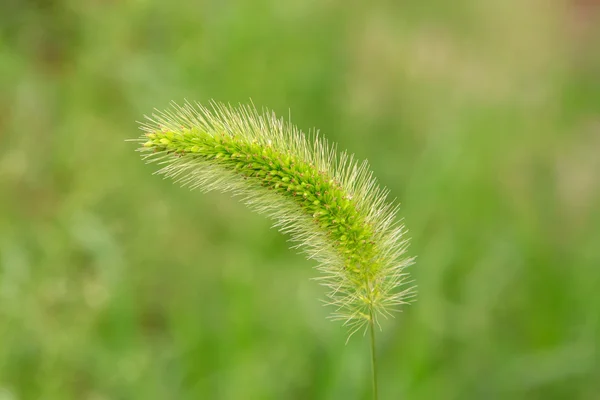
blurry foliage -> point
(482, 117)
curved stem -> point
(373, 357)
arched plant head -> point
(329, 203)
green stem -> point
(373, 357)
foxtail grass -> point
(329, 203)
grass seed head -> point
(329, 204)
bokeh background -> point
(482, 117)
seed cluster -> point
(331, 206)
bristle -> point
(328, 203)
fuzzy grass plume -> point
(329, 204)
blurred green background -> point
(483, 118)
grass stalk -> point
(373, 356)
(328, 202)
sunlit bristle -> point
(329, 203)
